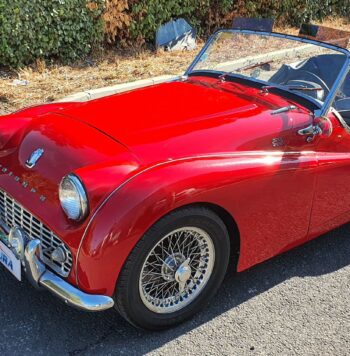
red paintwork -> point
(144, 153)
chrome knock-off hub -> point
(183, 274)
(170, 266)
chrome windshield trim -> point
(333, 92)
(201, 52)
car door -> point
(303, 148)
(278, 205)
(331, 206)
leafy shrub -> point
(67, 29)
(145, 16)
(116, 19)
(294, 12)
(33, 29)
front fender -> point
(136, 205)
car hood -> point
(69, 146)
(176, 119)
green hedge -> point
(208, 15)
(296, 12)
(65, 29)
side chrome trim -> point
(39, 276)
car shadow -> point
(36, 321)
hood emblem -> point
(34, 158)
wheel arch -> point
(228, 221)
(231, 225)
(142, 203)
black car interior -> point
(318, 72)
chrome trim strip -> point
(223, 155)
(4, 227)
(39, 276)
(201, 52)
(340, 119)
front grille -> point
(13, 214)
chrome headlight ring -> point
(73, 198)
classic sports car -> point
(140, 200)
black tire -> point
(127, 297)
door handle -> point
(311, 131)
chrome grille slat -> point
(13, 214)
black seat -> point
(343, 107)
(326, 67)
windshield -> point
(302, 66)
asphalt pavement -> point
(294, 304)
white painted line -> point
(267, 57)
(115, 89)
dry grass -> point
(46, 84)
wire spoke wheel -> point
(176, 270)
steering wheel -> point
(310, 77)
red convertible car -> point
(140, 200)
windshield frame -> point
(326, 105)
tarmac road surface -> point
(295, 304)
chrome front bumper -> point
(40, 276)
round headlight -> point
(73, 197)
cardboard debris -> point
(176, 36)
